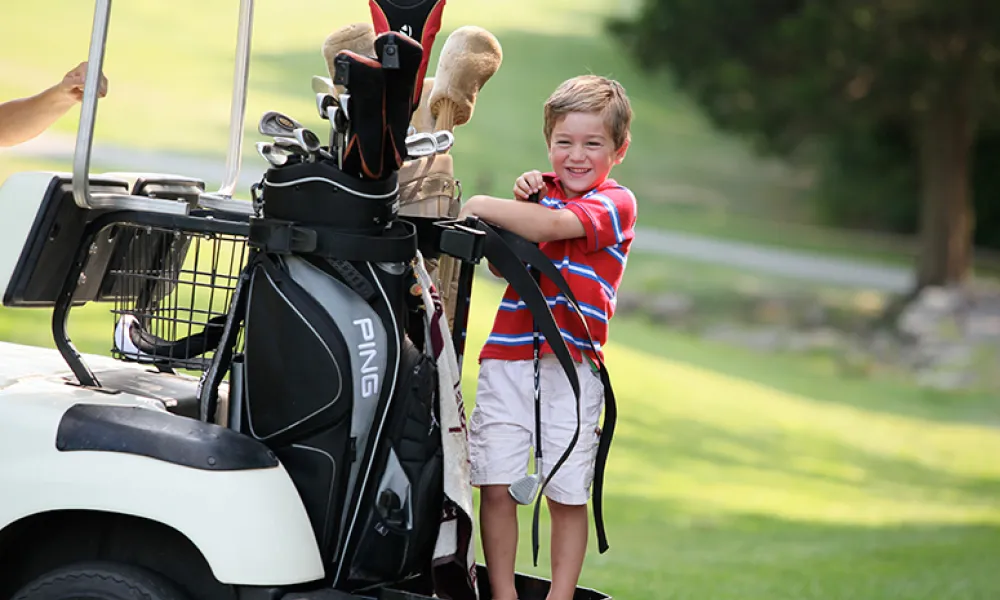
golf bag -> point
(334, 381)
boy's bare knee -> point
(496, 493)
(558, 508)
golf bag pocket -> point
(399, 521)
(296, 360)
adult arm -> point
(25, 118)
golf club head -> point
(308, 139)
(267, 151)
(274, 123)
(323, 85)
(444, 140)
(525, 489)
(292, 145)
(420, 145)
(323, 103)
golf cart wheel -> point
(99, 581)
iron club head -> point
(525, 489)
(274, 123)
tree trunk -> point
(947, 219)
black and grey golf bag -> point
(333, 380)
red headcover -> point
(418, 19)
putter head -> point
(525, 489)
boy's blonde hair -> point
(592, 94)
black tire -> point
(99, 581)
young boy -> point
(584, 223)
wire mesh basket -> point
(171, 291)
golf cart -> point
(252, 434)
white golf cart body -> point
(222, 513)
(240, 521)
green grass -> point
(743, 476)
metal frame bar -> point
(222, 200)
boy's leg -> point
(499, 447)
(498, 527)
(569, 491)
(569, 546)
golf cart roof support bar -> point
(85, 134)
(222, 200)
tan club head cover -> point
(469, 57)
(358, 38)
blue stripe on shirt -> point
(609, 205)
(589, 310)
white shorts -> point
(502, 426)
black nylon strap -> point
(506, 262)
(398, 244)
(532, 255)
(223, 357)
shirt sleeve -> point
(608, 217)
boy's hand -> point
(528, 184)
(73, 82)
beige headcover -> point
(358, 38)
(469, 58)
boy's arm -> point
(533, 222)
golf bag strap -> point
(208, 397)
(506, 262)
(191, 346)
(533, 256)
(397, 244)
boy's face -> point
(581, 152)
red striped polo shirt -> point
(592, 266)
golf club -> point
(525, 489)
(275, 158)
(274, 123)
(323, 102)
(421, 144)
(323, 85)
(308, 139)
(444, 140)
(292, 145)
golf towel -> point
(454, 556)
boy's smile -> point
(581, 152)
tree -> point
(792, 72)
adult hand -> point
(73, 83)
